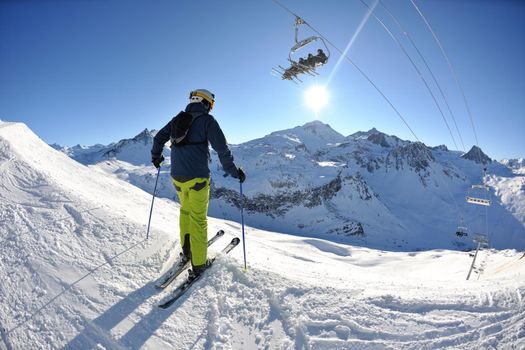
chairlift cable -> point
(400, 45)
(467, 107)
(355, 66)
(409, 37)
(419, 73)
(453, 71)
(286, 9)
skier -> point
(191, 174)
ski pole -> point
(242, 225)
(153, 200)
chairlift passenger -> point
(310, 61)
(321, 56)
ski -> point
(180, 290)
(179, 267)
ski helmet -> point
(204, 96)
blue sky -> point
(96, 71)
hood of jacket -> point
(196, 108)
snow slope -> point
(78, 274)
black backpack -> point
(180, 126)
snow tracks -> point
(261, 310)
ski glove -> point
(242, 175)
(157, 161)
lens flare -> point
(316, 97)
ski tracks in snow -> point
(436, 323)
(259, 310)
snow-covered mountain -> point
(135, 151)
(368, 188)
(77, 273)
(476, 155)
(518, 165)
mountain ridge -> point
(309, 179)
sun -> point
(316, 97)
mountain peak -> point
(365, 134)
(313, 135)
(318, 127)
(377, 137)
(145, 134)
(318, 131)
(315, 122)
(476, 154)
(442, 148)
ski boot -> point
(196, 271)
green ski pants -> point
(194, 196)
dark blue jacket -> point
(193, 160)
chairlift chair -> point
(462, 229)
(296, 66)
(478, 194)
(482, 239)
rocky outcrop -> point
(367, 160)
(440, 148)
(414, 155)
(358, 183)
(378, 139)
(350, 228)
(278, 204)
